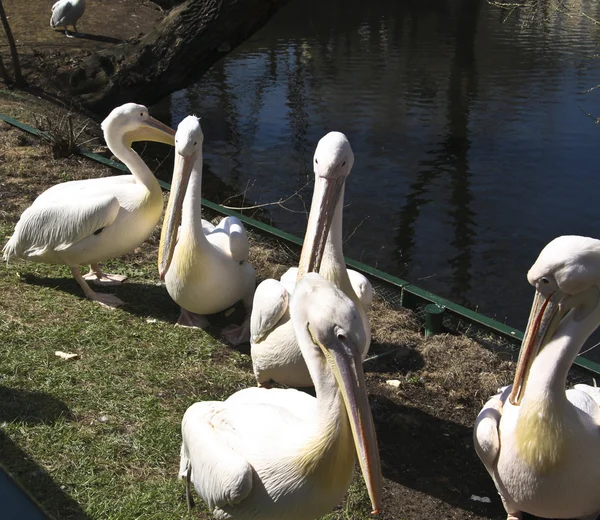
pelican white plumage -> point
(92, 220)
(65, 13)
(540, 443)
(205, 268)
(275, 352)
(275, 454)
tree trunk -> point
(4, 73)
(192, 37)
(19, 81)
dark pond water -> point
(472, 149)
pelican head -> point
(333, 161)
(566, 277)
(132, 122)
(331, 336)
(188, 150)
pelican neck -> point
(136, 165)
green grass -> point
(98, 437)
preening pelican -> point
(88, 221)
(275, 352)
(282, 454)
(540, 443)
(65, 13)
(205, 268)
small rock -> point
(485, 500)
(393, 382)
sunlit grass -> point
(99, 436)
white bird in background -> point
(282, 454)
(275, 352)
(540, 443)
(89, 221)
(205, 268)
(67, 12)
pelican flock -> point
(540, 443)
(205, 268)
(65, 13)
(275, 352)
(272, 454)
(89, 221)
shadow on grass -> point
(432, 455)
(31, 407)
(38, 483)
(147, 300)
(92, 37)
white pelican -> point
(88, 221)
(205, 268)
(282, 454)
(540, 443)
(275, 352)
(67, 12)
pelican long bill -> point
(325, 197)
(168, 237)
(346, 365)
(543, 320)
(153, 130)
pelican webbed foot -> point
(237, 334)
(99, 278)
(191, 319)
(106, 300)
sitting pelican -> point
(88, 221)
(205, 268)
(283, 454)
(67, 12)
(540, 443)
(275, 352)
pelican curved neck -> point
(191, 211)
(333, 265)
(139, 169)
(331, 422)
(549, 370)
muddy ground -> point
(424, 423)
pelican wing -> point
(587, 399)
(486, 435)
(270, 304)
(220, 474)
(60, 13)
(45, 227)
(238, 240)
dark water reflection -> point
(471, 149)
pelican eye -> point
(316, 161)
(344, 164)
(195, 143)
(141, 114)
(544, 280)
(341, 336)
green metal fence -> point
(436, 312)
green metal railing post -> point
(434, 314)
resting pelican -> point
(275, 352)
(205, 268)
(67, 12)
(540, 443)
(88, 221)
(282, 454)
